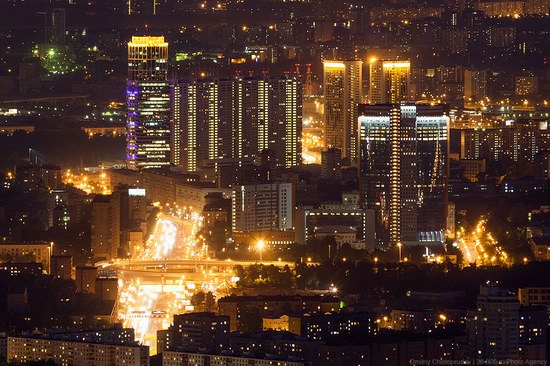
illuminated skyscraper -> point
(148, 103)
(342, 85)
(235, 119)
(389, 81)
(54, 26)
(404, 151)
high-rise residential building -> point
(61, 266)
(54, 26)
(343, 92)
(148, 104)
(404, 152)
(196, 331)
(541, 165)
(262, 207)
(527, 85)
(73, 350)
(29, 77)
(236, 119)
(493, 330)
(537, 7)
(202, 358)
(475, 85)
(451, 220)
(389, 81)
(105, 226)
(85, 278)
(518, 141)
(331, 164)
(533, 332)
(529, 296)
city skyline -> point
(274, 183)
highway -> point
(161, 280)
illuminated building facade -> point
(175, 358)
(342, 86)
(404, 152)
(219, 119)
(475, 85)
(105, 226)
(311, 222)
(73, 351)
(502, 8)
(28, 253)
(54, 26)
(262, 207)
(518, 141)
(196, 331)
(527, 85)
(493, 332)
(331, 164)
(148, 103)
(389, 81)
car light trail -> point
(480, 247)
(149, 298)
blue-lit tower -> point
(148, 104)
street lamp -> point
(399, 245)
(260, 246)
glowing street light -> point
(260, 245)
(399, 245)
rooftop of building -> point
(335, 229)
(198, 316)
(256, 298)
(76, 340)
(29, 244)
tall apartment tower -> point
(239, 118)
(493, 332)
(194, 332)
(404, 152)
(54, 26)
(475, 85)
(148, 104)
(105, 226)
(262, 207)
(389, 81)
(331, 164)
(342, 86)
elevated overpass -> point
(168, 270)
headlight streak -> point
(148, 303)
